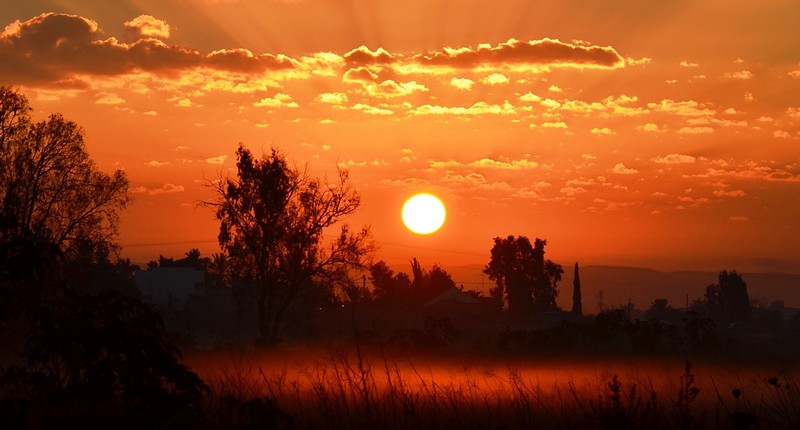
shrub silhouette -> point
(100, 362)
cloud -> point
(732, 193)
(741, 75)
(372, 110)
(462, 83)
(531, 55)
(359, 75)
(216, 160)
(363, 55)
(649, 127)
(530, 97)
(279, 100)
(682, 108)
(738, 218)
(332, 98)
(622, 170)
(603, 131)
(555, 124)
(495, 79)
(390, 88)
(674, 159)
(58, 47)
(555, 89)
(488, 163)
(155, 163)
(572, 191)
(479, 108)
(109, 99)
(148, 26)
(164, 189)
(688, 64)
(695, 130)
(781, 134)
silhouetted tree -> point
(50, 190)
(272, 222)
(399, 289)
(660, 309)
(727, 300)
(389, 287)
(101, 361)
(524, 280)
(577, 308)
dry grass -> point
(338, 388)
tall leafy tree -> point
(50, 189)
(273, 219)
(727, 300)
(524, 280)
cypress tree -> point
(577, 308)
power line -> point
(179, 242)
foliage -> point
(102, 360)
(661, 310)
(272, 224)
(400, 289)
(524, 280)
(727, 300)
(389, 287)
(49, 187)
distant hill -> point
(642, 286)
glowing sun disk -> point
(423, 214)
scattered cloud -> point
(738, 218)
(462, 83)
(164, 189)
(109, 99)
(495, 79)
(741, 75)
(695, 130)
(216, 160)
(674, 159)
(279, 100)
(332, 98)
(731, 193)
(603, 131)
(622, 170)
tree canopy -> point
(524, 281)
(273, 220)
(50, 189)
(727, 300)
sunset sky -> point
(659, 134)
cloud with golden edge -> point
(279, 100)
(55, 47)
(148, 26)
(479, 108)
(533, 55)
(462, 83)
(620, 169)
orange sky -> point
(660, 134)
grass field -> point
(341, 388)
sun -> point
(423, 213)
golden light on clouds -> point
(566, 120)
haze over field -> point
(663, 135)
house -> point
(454, 302)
